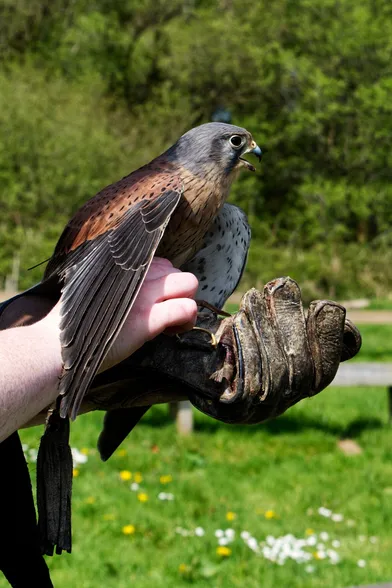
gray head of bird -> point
(214, 146)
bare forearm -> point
(30, 365)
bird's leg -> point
(214, 309)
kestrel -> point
(165, 208)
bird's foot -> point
(187, 340)
(214, 309)
(214, 341)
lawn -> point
(268, 481)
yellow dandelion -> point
(75, 472)
(142, 497)
(230, 516)
(223, 551)
(270, 514)
(309, 532)
(166, 479)
(128, 529)
(90, 500)
(85, 450)
(182, 568)
(125, 475)
(316, 555)
(121, 452)
(138, 478)
(109, 516)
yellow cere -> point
(166, 479)
(125, 475)
(142, 497)
(230, 516)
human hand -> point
(164, 303)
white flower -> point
(230, 534)
(336, 543)
(33, 453)
(252, 543)
(321, 554)
(324, 536)
(245, 535)
(134, 486)
(223, 541)
(219, 533)
(333, 556)
(361, 563)
(78, 457)
(337, 517)
(312, 540)
(165, 496)
(309, 569)
(362, 538)
(324, 512)
(199, 532)
(373, 539)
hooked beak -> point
(255, 149)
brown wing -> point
(102, 278)
(104, 210)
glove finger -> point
(287, 318)
(352, 341)
(260, 310)
(325, 326)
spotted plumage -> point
(220, 262)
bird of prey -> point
(164, 208)
(218, 266)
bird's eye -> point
(236, 141)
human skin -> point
(30, 356)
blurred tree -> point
(90, 89)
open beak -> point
(255, 149)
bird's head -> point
(215, 147)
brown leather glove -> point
(268, 357)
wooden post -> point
(182, 412)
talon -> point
(214, 341)
(214, 309)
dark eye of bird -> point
(236, 141)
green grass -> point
(380, 304)
(289, 466)
(376, 343)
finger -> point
(176, 284)
(160, 267)
(286, 317)
(325, 327)
(178, 312)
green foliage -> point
(91, 89)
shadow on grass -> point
(282, 425)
